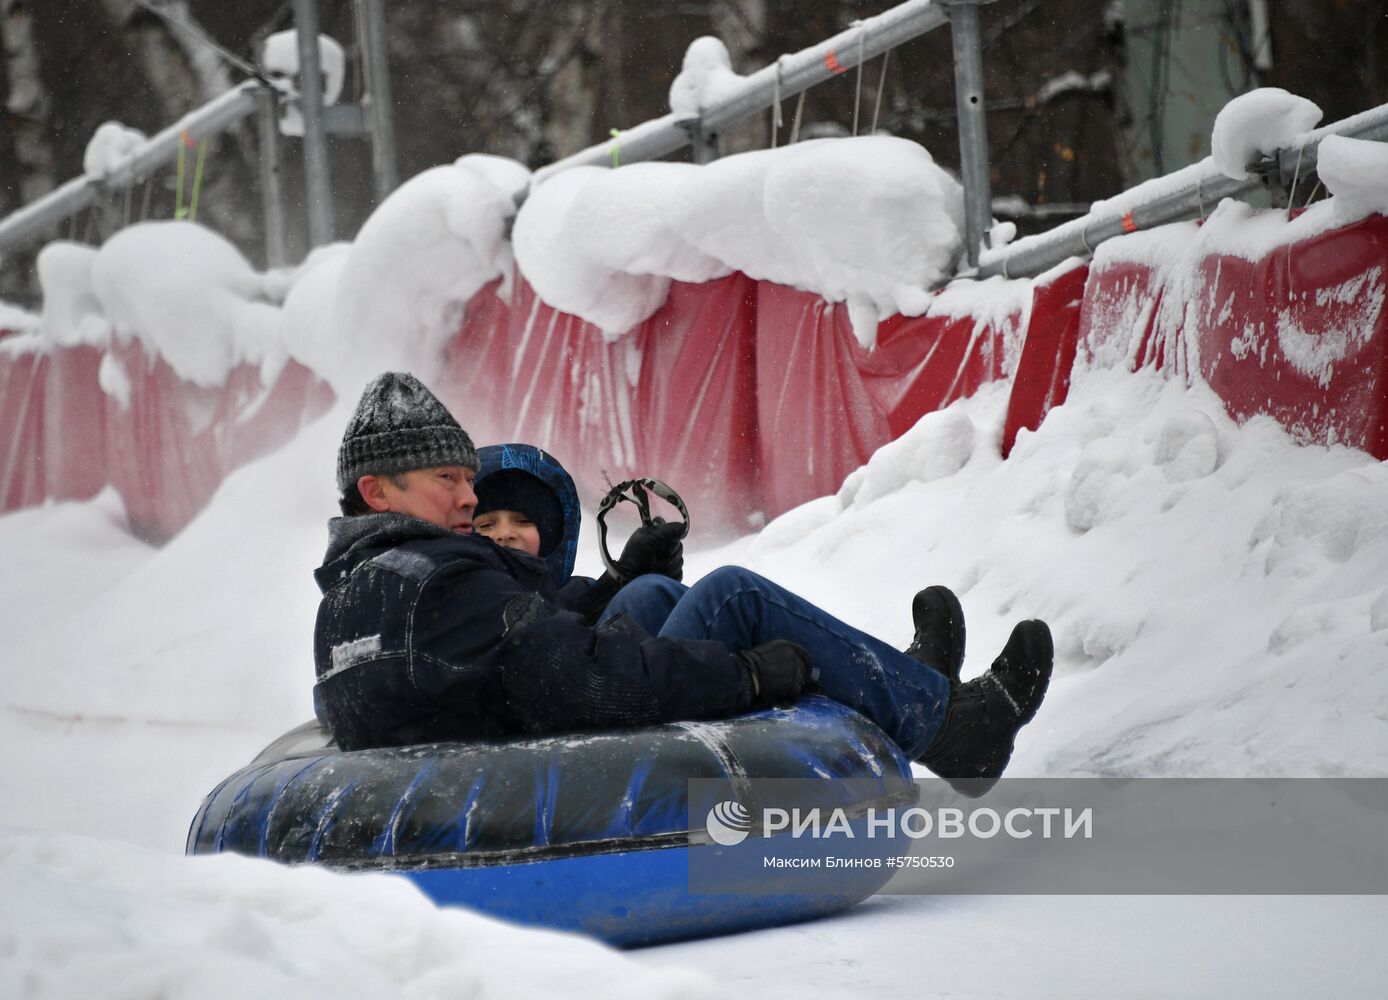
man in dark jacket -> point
(429, 632)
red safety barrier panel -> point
(1118, 315)
(824, 404)
(1042, 379)
(75, 449)
(696, 398)
(1302, 335)
(171, 443)
(566, 388)
(253, 419)
(477, 361)
(23, 375)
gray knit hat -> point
(400, 426)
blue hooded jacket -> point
(546, 468)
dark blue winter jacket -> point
(424, 634)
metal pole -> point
(704, 144)
(271, 188)
(319, 184)
(973, 127)
(378, 101)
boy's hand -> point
(653, 548)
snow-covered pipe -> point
(35, 219)
(1186, 194)
(860, 43)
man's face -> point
(441, 495)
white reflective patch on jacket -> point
(348, 654)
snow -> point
(870, 221)
(107, 157)
(190, 297)
(706, 77)
(71, 313)
(1217, 593)
(1258, 124)
(227, 927)
(1355, 171)
(279, 57)
(418, 258)
(16, 320)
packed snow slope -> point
(1217, 594)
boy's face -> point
(510, 528)
(441, 495)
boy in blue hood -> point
(429, 632)
(526, 500)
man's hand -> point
(780, 671)
(653, 548)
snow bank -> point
(85, 917)
(417, 260)
(1258, 124)
(870, 221)
(1212, 588)
(190, 297)
(1355, 171)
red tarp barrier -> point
(75, 449)
(23, 377)
(743, 395)
(477, 364)
(824, 404)
(562, 386)
(696, 402)
(172, 442)
(1042, 379)
(1300, 335)
(673, 398)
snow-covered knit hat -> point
(518, 490)
(399, 425)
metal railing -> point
(256, 96)
(60, 204)
(792, 74)
(1201, 190)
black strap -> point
(637, 488)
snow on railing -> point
(83, 192)
(1185, 194)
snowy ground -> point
(1217, 594)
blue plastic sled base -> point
(632, 899)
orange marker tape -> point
(1129, 226)
(831, 63)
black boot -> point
(939, 640)
(984, 715)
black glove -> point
(780, 671)
(653, 548)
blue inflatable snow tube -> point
(592, 832)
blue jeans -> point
(647, 600)
(905, 698)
